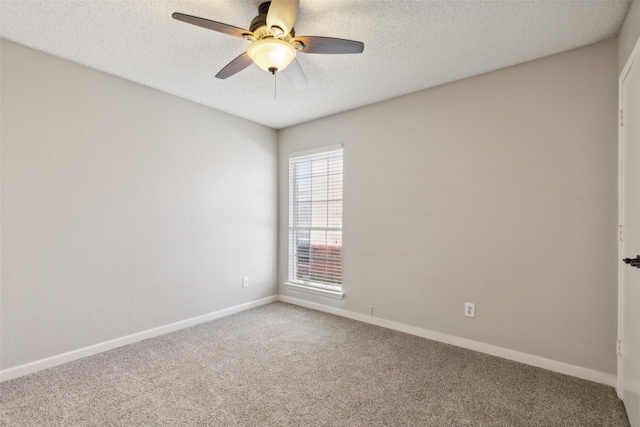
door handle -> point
(633, 262)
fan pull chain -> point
(275, 86)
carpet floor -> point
(281, 364)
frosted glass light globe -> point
(271, 54)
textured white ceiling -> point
(409, 46)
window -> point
(315, 219)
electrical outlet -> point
(469, 309)
(370, 310)
(245, 282)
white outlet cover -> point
(469, 309)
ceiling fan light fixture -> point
(271, 54)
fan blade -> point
(329, 45)
(235, 66)
(212, 25)
(282, 16)
(295, 75)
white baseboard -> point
(505, 353)
(50, 362)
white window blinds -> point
(315, 218)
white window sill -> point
(315, 291)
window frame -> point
(314, 287)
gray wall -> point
(498, 190)
(629, 34)
(123, 208)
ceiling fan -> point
(273, 41)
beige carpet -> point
(284, 365)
